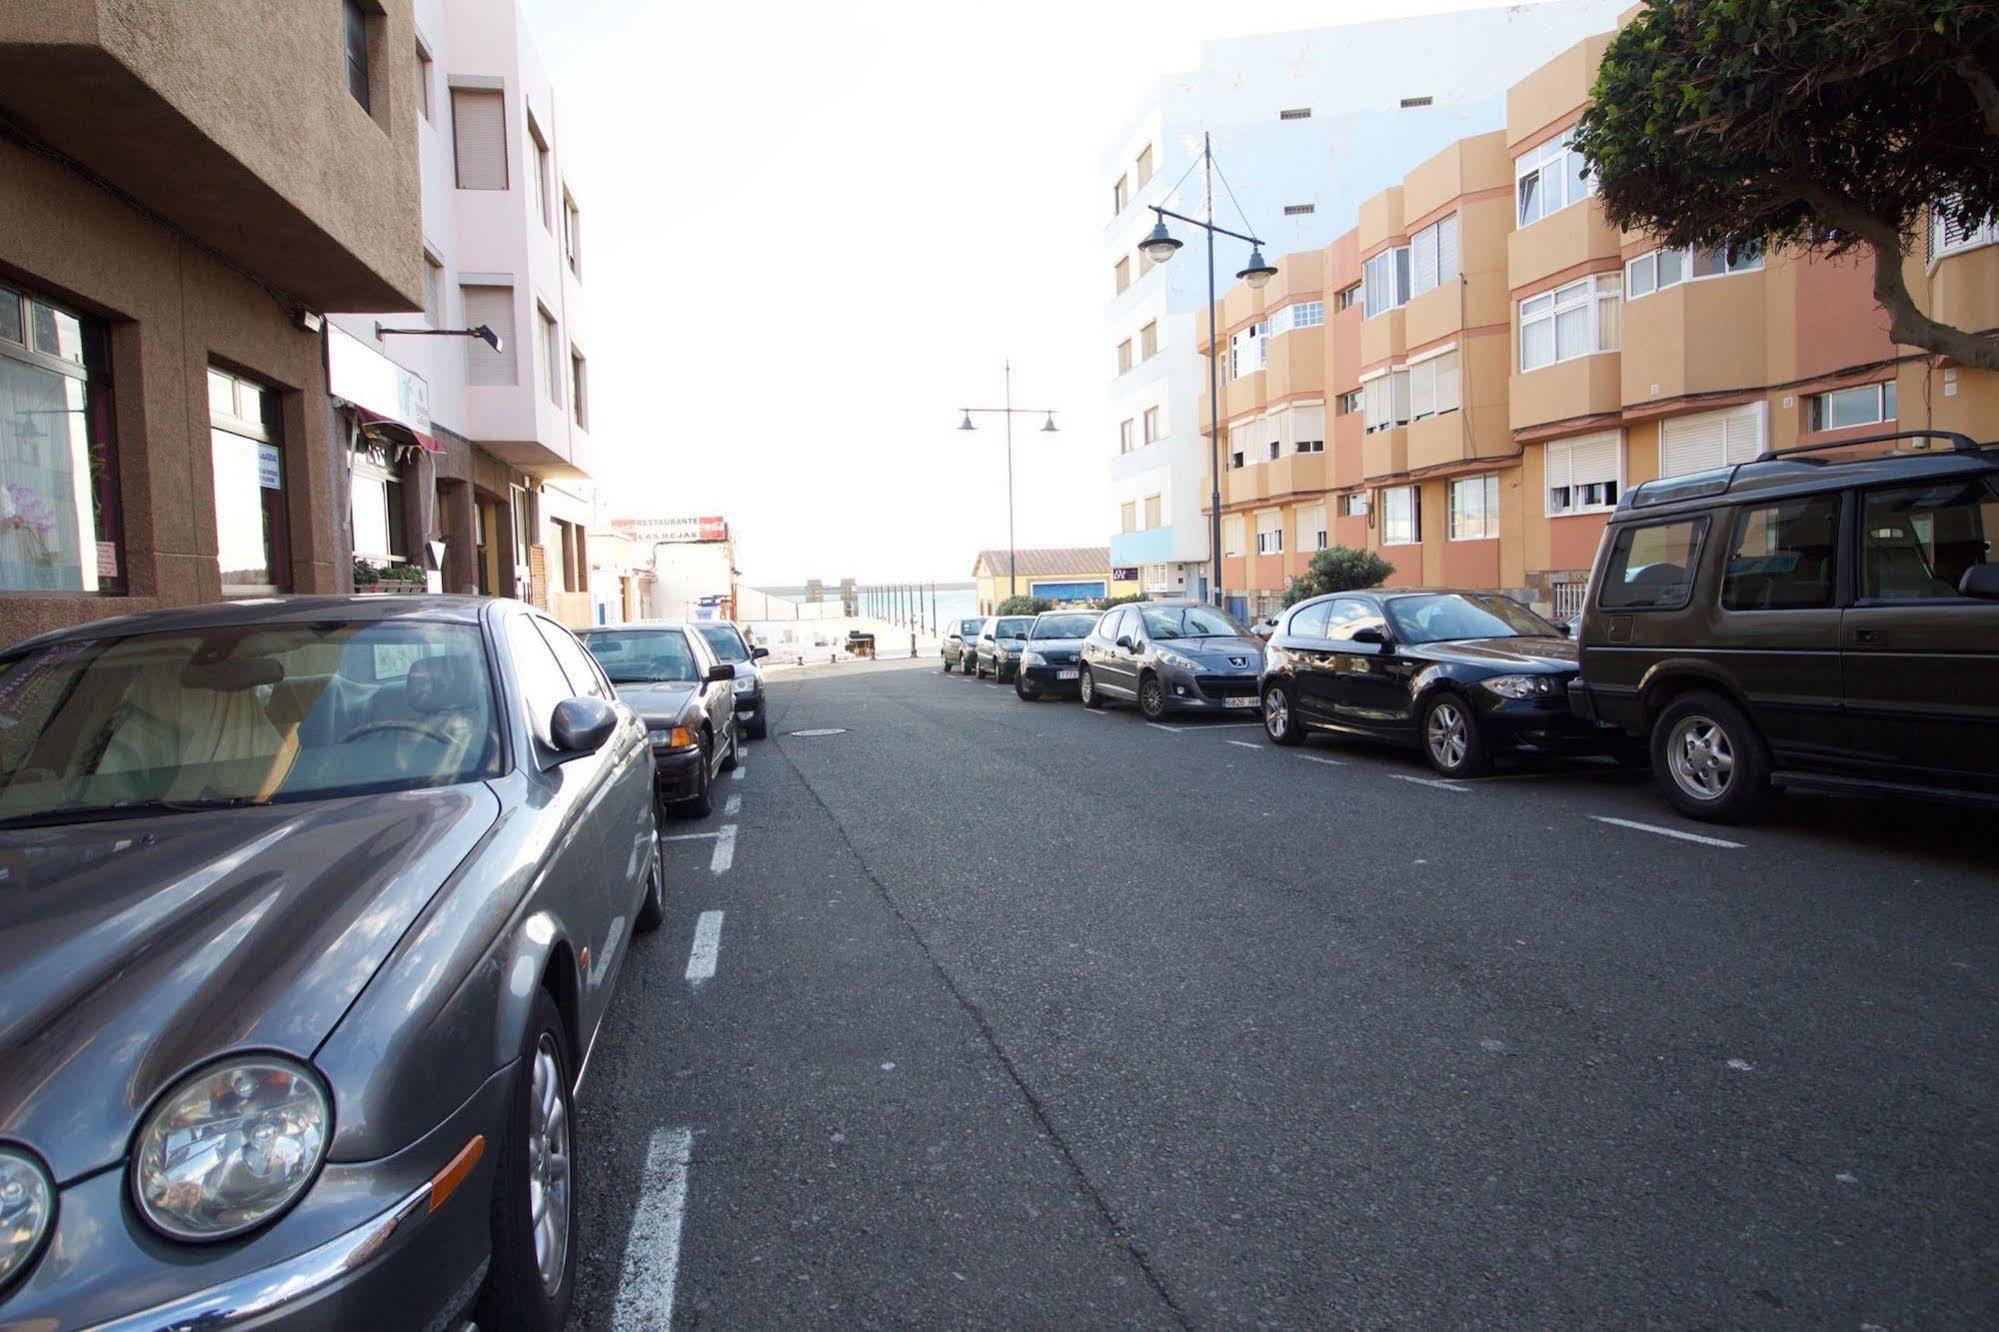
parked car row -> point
(1795, 621)
(313, 909)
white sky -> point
(814, 228)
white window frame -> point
(1642, 276)
(1536, 162)
(1388, 269)
(1126, 434)
(1298, 314)
(1250, 343)
(1232, 534)
(1436, 385)
(1433, 256)
(1385, 399)
(1355, 504)
(1389, 517)
(1818, 405)
(1585, 293)
(1943, 247)
(1152, 432)
(1488, 511)
(1565, 449)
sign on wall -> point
(357, 373)
(670, 530)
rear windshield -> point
(724, 641)
(1064, 626)
(1013, 626)
(644, 656)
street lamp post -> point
(1161, 246)
(1009, 412)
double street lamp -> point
(1009, 412)
(1161, 246)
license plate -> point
(1065, 675)
(1241, 700)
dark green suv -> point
(1804, 621)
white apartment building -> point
(472, 463)
(1305, 125)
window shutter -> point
(479, 133)
(1693, 444)
(1447, 249)
(493, 306)
(1308, 422)
(1744, 428)
(1591, 459)
(1423, 259)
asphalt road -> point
(1024, 1015)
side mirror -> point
(1562, 628)
(721, 673)
(1981, 581)
(759, 653)
(580, 726)
(1370, 635)
(1124, 641)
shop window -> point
(246, 438)
(377, 492)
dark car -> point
(1000, 644)
(1462, 675)
(1051, 659)
(664, 669)
(312, 909)
(961, 643)
(1169, 656)
(727, 641)
(1804, 622)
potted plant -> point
(402, 578)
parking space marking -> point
(707, 947)
(1162, 726)
(1314, 758)
(1439, 783)
(652, 1249)
(741, 768)
(725, 850)
(1669, 832)
(1245, 744)
(735, 804)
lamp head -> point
(1049, 429)
(967, 425)
(1258, 273)
(1160, 245)
(486, 335)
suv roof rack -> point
(1959, 443)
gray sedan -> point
(311, 911)
(1171, 656)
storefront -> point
(392, 451)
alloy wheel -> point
(549, 1165)
(1086, 688)
(1152, 698)
(1701, 758)
(1276, 713)
(1447, 733)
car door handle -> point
(1867, 636)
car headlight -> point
(1521, 686)
(27, 1207)
(230, 1147)
(746, 684)
(1032, 658)
(1170, 658)
(673, 737)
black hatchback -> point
(1463, 675)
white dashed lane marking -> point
(1331, 763)
(1669, 832)
(734, 805)
(1437, 782)
(652, 1249)
(1244, 744)
(707, 948)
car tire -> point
(1451, 738)
(1708, 759)
(652, 907)
(759, 725)
(702, 803)
(1280, 715)
(1086, 690)
(1026, 692)
(1152, 697)
(735, 755)
(947, 665)
(529, 1286)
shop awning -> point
(392, 431)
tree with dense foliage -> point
(1024, 605)
(1832, 126)
(1124, 600)
(1338, 569)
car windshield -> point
(724, 641)
(1013, 626)
(1443, 617)
(644, 656)
(970, 628)
(1189, 622)
(1064, 626)
(242, 715)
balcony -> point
(1696, 337)
(1297, 364)
(1566, 391)
(1558, 242)
(1292, 475)
(1384, 453)
(1384, 337)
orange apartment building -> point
(1467, 380)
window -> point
(423, 76)
(1300, 210)
(1433, 255)
(572, 234)
(1299, 314)
(579, 387)
(1867, 404)
(1582, 473)
(1475, 508)
(1576, 319)
(1652, 568)
(1950, 235)
(1144, 165)
(1549, 178)
(1311, 446)
(1401, 516)
(1276, 450)
(1232, 534)
(1347, 297)
(1151, 424)
(1385, 281)
(246, 440)
(1270, 532)
(1128, 516)
(1784, 555)
(1124, 356)
(1354, 505)
(1386, 399)
(1122, 270)
(1668, 268)
(540, 682)
(479, 138)
(585, 676)
(1236, 459)
(357, 52)
(1295, 113)
(60, 532)
(1148, 342)
(1152, 512)
(1434, 386)
(1711, 439)
(544, 187)
(493, 307)
(1347, 403)
(1918, 540)
(377, 507)
(1247, 347)
(1311, 527)
(551, 355)
(1120, 195)
(1125, 436)
(433, 291)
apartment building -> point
(1499, 364)
(174, 215)
(466, 462)
(1305, 125)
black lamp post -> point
(1161, 246)
(1009, 412)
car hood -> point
(658, 700)
(1546, 653)
(134, 949)
(1057, 644)
(1216, 652)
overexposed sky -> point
(814, 228)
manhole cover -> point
(829, 730)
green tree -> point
(1832, 126)
(1024, 605)
(1124, 600)
(1338, 569)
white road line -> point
(734, 805)
(1440, 784)
(652, 1249)
(741, 768)
(690, 837)
(1161, 726)
(1669, 832)
(1244, 744)
(1331, 763)
(725, 851)
(707, 944)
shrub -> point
(1124, 600)
(1339, 569)
(1024, 605)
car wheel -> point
(533, 1271)
(1086, 690)
(1280, 716)
(1152, 697)
(702, 803)
(652, 908)
(1709, 760)
(1026, 692)
(947, 665)
(759, 724)
(734, 756)
(1451, 739)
